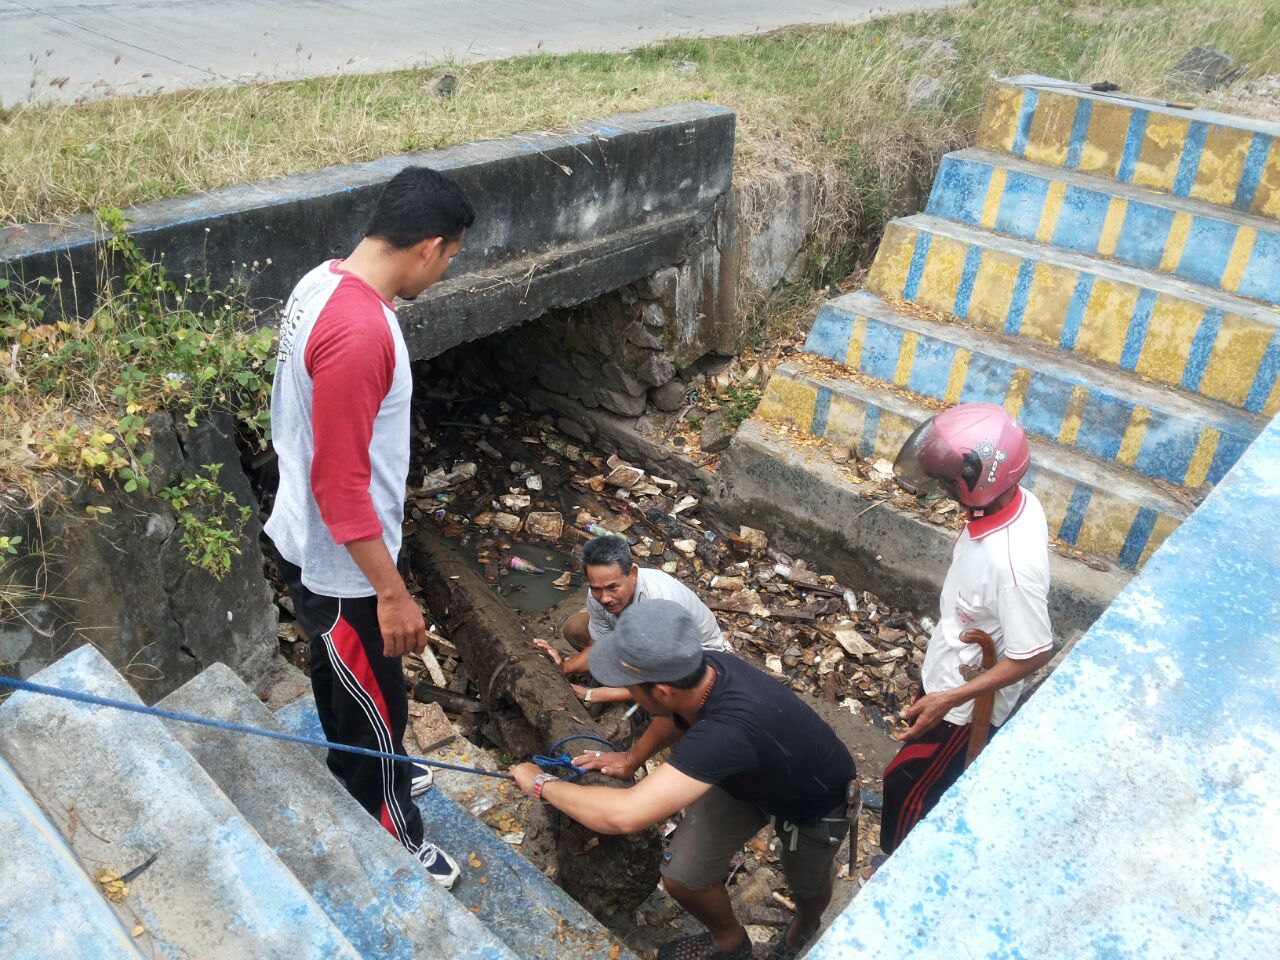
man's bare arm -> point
(618, 809)
(932, 707)
(399, 617)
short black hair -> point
(419, 203)
(607, 549)
(684, 683)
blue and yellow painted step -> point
(1160, 433)
(1196, 241)
(1201, 154)
(1097, 507)
(1204, 341)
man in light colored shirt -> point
(998, 583)
(614, 583)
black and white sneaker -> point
(440, 865)
(422, 780)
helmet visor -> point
(928, 466)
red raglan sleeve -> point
(351, 360)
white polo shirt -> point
(656, 585)
(998, 582)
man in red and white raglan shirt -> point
(341, 427)
(998, 582)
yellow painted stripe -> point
(1106, 524)
(1017, 391)
(1202, 458)
(995, 192)
(1170, 334)
(1000, 118)
(1133, 434)
(1241, 251)
(1111, 226)
(1050, 133)
(1234, 362)
(906, 357)
(888, 272)
(845, 422)
(1176, 242)
(1106, 321)
(1104, 142)
(942, 271)
(1047, 302)
(1221, 164)
(959, 370)
(859, 333)
(1165, 525)
(1071, 419)
(1049, 213)
(789, 400)
(1162, 146)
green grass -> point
(828, 97)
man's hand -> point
(403, 628)
(618, 765)
(927, 713)
(524, 774)
(550, 651)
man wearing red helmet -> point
(998, 582)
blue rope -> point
(233, 727)
(551, 762)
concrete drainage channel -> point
(575, 375)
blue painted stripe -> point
(1265, 378)
(1189, 164)
(1069, 532)
(1137, 333)
(968, 274)
(1202, 349)
(1025, 113)
(1075, 311)
(821, 410)
(830, 334)
(1251, 176)
(870, 427)
(1230, 449)
(1079, 130)
(1136, 541)
(1132, 145)
(918, 256)
(1021, 290)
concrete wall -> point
(1132, 807)
(561, 218)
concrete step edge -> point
(1174, 401)
(49, 904)
(533, 916)
(1072, 464)
(214, 886)
(369, 885)
(1097, 266)
(1154, 105)
(1117, 188)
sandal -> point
(701, 947)
(780, 949)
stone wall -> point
(121, 581)
(600, 366)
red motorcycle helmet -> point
(972, 453)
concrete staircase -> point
(234, 846)
(1108, 270)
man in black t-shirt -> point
(746, 752)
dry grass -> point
(828, 96)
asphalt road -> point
(60, 50)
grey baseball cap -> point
(655, 641)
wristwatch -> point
(539, 782)
(586, 697)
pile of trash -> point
(520, 499)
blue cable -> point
(233, 727)
(551, 762)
